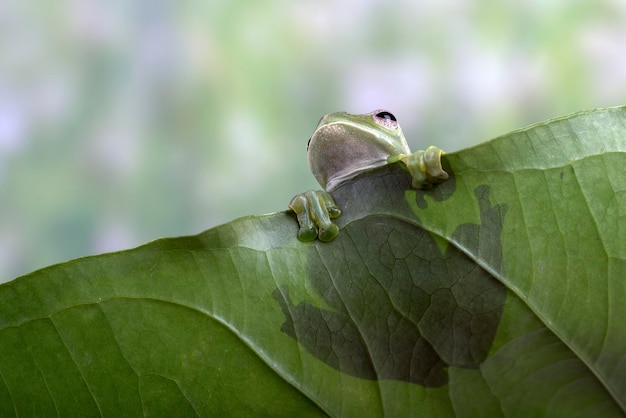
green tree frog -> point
(345, 145)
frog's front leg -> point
(424, 166)
(314, 210)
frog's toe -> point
(432, 162)
(300, 206)
(334, 212)
(329, 233)
(307, 234)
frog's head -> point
(344, 145)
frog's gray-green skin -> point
(345, 145)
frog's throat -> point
(340, 178)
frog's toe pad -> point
(329, 233)
(306, 234)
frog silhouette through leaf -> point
(401, 307)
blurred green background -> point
(128, 120)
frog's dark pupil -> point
(386, 115)
(308, 143)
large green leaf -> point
(500, 292)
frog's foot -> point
(314, 210)
(424, 166)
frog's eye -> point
(308, 143)
(386, 115)
(386, 119)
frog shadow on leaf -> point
(401, 307)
